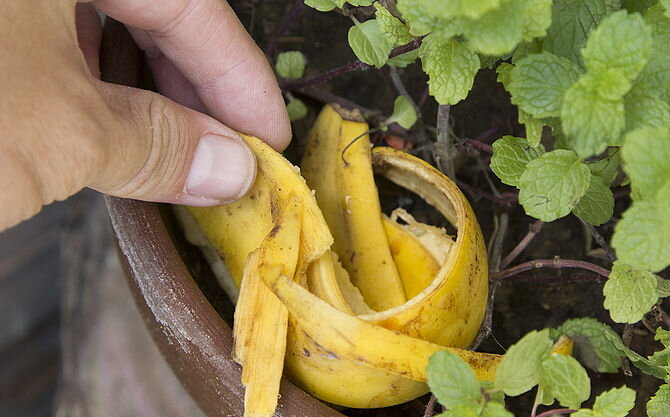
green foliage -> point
(511, 155)
(403, 113)
(520, 369)
(552, 184)
(296, 109)
(395, 31)
(290, 64)
(569, 382)
(592, 346)
(616, 402)
(659, 405)
(451, 66)
(452, 381)
(629, 293)
(368, 44)
(597, 204)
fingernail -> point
(223, 169)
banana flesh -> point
(350, 302)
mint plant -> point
(590, 80)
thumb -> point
(164, 152)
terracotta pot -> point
(191, 334)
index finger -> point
(209, 45)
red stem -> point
(555, 263)
(534, 230)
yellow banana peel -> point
(349, 302)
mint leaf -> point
(417, 17)
(533, 127)
(629, 293)
(622, 42)
(539, 82)
(296, 109)
(597, 204)
(637, 5)
(324, 5)
(472, 9)
(462, 410)
(495, 409)
(656, 75)
(659, 405)
(520, 368)
(403, 60)
(536, 18)
(497, 396)
(567, 379)
(451, 66)
(368, 43)
(646, 158)
(290, 64)
(616, 402)
(592, 346)
(640, 362)
(552, 185)
(571, 24)
(498, 31)
(452, 380)
(607, 168)
(645, 108)
(511, 155)
(359, 3)
(395, 31)
(591, 120)
(662, 288)
(642, 236)
(403, 113)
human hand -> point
(63, 129)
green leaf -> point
(296, 109)
(637, 5)
(520, 368)
(572, 22)
(472, 9)
(592, 346)
(403, 113)
(629, 293)
(368, 43)
(567, 379)
(597, 204)
(495, 409)
(417, 17)
(616, 402)
(539, 82)
(622, 42)
(544, 395)
(642, 236)
(498, 31)
(589, 119)
(607, 168)
(645, 108)
(662, 287)
(662, 335)
(552, 185)
(403, 60)
(533, 127)
(324, 5)
(536, 18)
(656, 75)
(359, 3)
(451, 66)
(646, 159)
(497, 396)
(659, 405)
(452, 380)
(640, 362)
(462, 410)
(395, 31)
(290, 64)
(666, 6)
(511, 155)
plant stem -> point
(534, 230)
(479, 145)
(505, 199)
(444, 147)
(550, 280)
(556, 263)
(351, 66)
(430, 407)
(600, 240)
(556, 412)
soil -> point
(535, 300)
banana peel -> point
(349, 302)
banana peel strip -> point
(334, 346)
